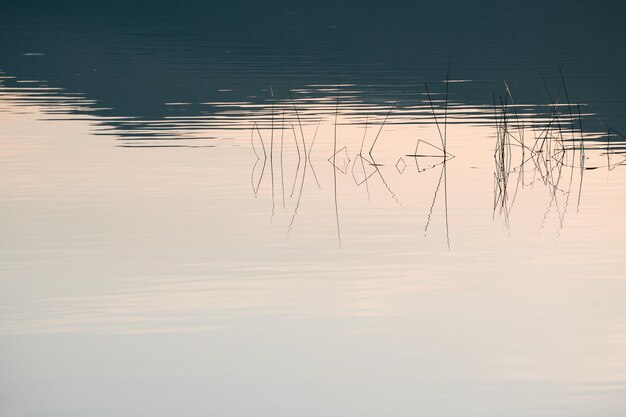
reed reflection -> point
(363, 168)
(549, 148)
(532, 148)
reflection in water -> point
(145, 268)
(191, 126)
(556, 153)
(334, 163)
(362, 168)
(619, 150)
(542, 144)
(532, 147)
(159, 261)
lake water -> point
(293, 209)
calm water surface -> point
(193, 223)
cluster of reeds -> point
(555, 153)
(363, 161)
(531, 147)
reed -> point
(385, 121)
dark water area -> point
(133, 57)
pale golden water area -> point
(166, 267)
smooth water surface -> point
(247, 210)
